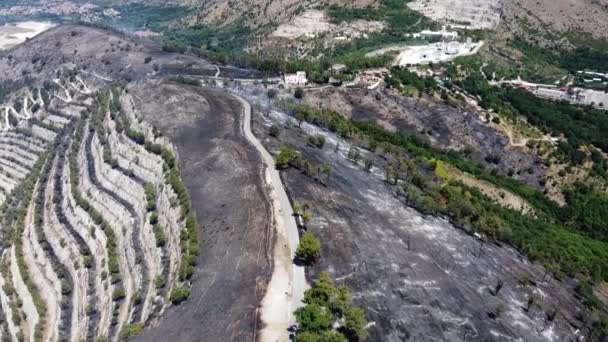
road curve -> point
(285, 291)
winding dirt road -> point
(288, 283)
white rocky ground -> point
(65, 252)
(472, 14)
(14, 34)
(315, 22)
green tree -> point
(333, 336)
(314, 318)
(323, 291)
(354, 324)
(298, 93)
(285, 156)
(309, 248)
(342, 301)
(274, 131)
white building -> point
(296, 80)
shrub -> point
(309, 248)
(159, 281)
(274, 131)
(298, 93)
(118, 294)
(285, 156)
(179, 294)
(317, 140)
(354, 324)
(131, 330)
(272, 93)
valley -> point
(310, 171)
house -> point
(296, 80)
(338, 68)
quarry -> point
(476, 14)
(436, 52)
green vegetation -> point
(274, 131)
(548, 236)
(581, 125)
(219, 44)
(317, 140)
(98, 219)
(130, 330)
(308, 249)
(189, 234)
(587, 210)
(409, 83)
(159, 281)
(179, 294)
(584, 58)
(326, 305)
(118, 294)
(137, 16)
(14, 215)
(400, 18)
(227, 44)
(150, 196)
(287, 157)
(581, 58)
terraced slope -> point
(99, 238)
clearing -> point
(15, 34)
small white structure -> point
(338, 68)
(444, 33)
(296, 80)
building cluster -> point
(436, 52)
(590, 77)
(581, 96)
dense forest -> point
(584, 58)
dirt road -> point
(288, 283)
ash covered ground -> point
(224, 175)
(419, 278)
(222, 172)
(442, 125)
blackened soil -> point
(224, 176)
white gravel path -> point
(285, 291)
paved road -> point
(286, 224)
